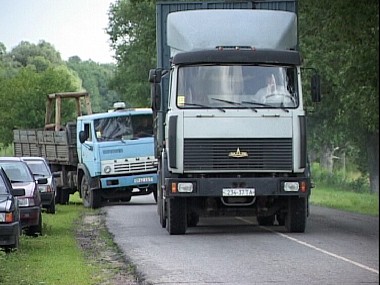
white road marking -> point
(315, 248)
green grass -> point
(53, 258)
(363, 203)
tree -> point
(132, 34)
(23, 98)
(95, 80)
(342, 42)
(26, 54)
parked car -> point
(21, 177)
(41, 169)
(10, 225)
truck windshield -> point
(124, 127)
(237, 86)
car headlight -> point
(6, 217)
(43, 188)
(26, 202)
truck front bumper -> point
(251, 186)
(139, 180)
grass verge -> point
(75, 248)
(52, 258)
(362, 203)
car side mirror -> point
(18, 192)
(42, 180)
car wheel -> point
(37, 229)
(51, 208)
(16, 245)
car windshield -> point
(237, 86)
(17, 171)
(124, 127)
(3, 188)
(38, 167)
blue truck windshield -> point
(236, 86)
(124, 127)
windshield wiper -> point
(227, 101)
(204, 106)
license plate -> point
(239, 192)
(143, 179)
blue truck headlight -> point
(291, 186)
(107, 169)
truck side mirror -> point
(82, 136)
(155, 96)
(155, 75)
(315, 88)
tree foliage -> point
(342, 41)
(95, 80)
(28, 73)
(132, 34)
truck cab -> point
(116, 156)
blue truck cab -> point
(116, 155)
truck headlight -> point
(291, 186)
(107, 169)
(185, 187)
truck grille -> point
(260, 154)
(135, 167)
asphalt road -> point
(337, 248)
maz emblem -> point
(238, 153)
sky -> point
(73, 27)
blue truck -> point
(104, 156)
(230, 123)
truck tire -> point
(162, 212)
(177, 216)
(95, 198)
(62, 196)
(91, 198)
(295, 220)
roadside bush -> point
(340, 180)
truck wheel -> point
(177, 216)
(265, 220)
(295, 220)
(155, 193)
(85, 192)
(95, 198)
(280, 219)
(62, 196)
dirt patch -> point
(99, 249)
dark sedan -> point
(10, 226)
(30, 204)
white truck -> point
(230, 125)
